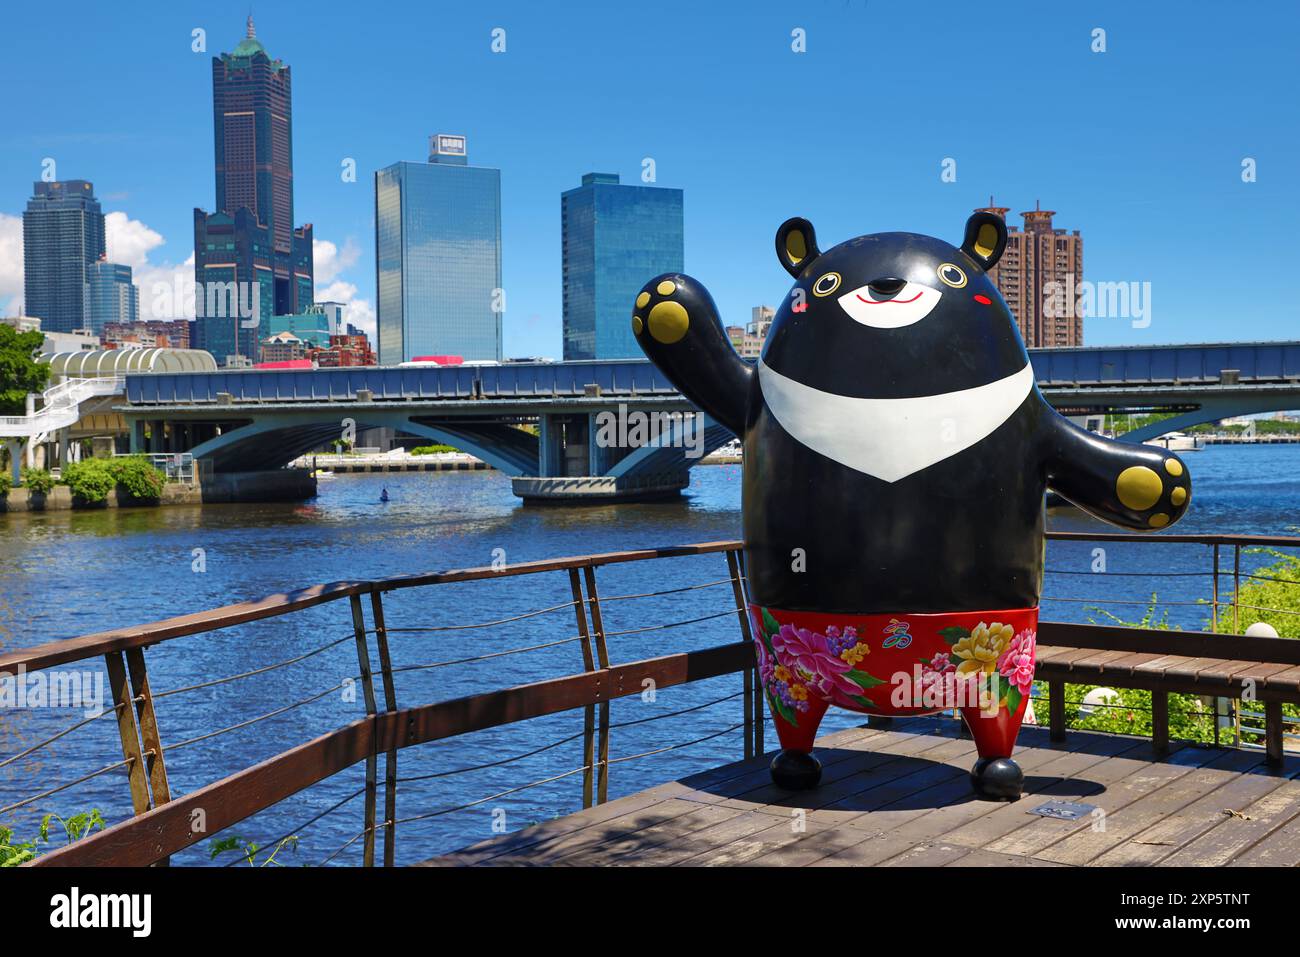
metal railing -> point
(161, 822)
(60, 406)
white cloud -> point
(359, 312)
(166, 288)
(329, 262)
(129, 240)
(11, 265)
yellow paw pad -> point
(668, 321)
(666, 288)
(1138, 487)
(1178, 496)
(642, 299)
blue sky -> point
(1139, 147)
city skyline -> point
(741, 159)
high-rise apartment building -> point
(748, 340)
(63, 237)
(438, 256)
(613, 237)
(1038, 275)
(250, 238)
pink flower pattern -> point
(1017, 662)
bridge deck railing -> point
(163, 824)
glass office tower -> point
(613, 239)
(63, 236)
(438, 256)
(111, 296)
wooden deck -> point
(901, 797)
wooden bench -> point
(1169, 661)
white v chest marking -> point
(891, 439)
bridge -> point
(262, 419)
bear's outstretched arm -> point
(1136, 486)
(677, 325)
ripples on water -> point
(69, 573)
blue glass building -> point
(63, 236)
(438, 256)
(613, 238)
(111, 296)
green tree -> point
(20, 373)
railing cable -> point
(54, 737)
(250, 721)
(306, 824)
(256, 671)
(63, 787)
(483, 624)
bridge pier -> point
(576, 465)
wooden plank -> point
(1281, 848)
(126, 730)
(1237, 833)
(1288, 679)
(1110, 786)
(1177, 828)
(1073, 776)
(445, 719)
(550, 564)
(1119, 826)
(155, 765)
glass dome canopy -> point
(95, 363)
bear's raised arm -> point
(677, 325)
(1136, 486)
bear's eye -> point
(951, 275)
(827, 284)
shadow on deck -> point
(901, 797)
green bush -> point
(137, 475)
(90, 480)
(432, 449)
(6, 483)
(38, 481)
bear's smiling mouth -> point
(887, 302)
(911, 302)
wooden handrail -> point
(139, 636)
(158, 833)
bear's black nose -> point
(886, 287)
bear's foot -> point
(997, 779)
(796, 770)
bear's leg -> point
(794, 768)
(995, 775)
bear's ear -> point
(986, 239)
(796, 245)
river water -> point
(68, 573)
